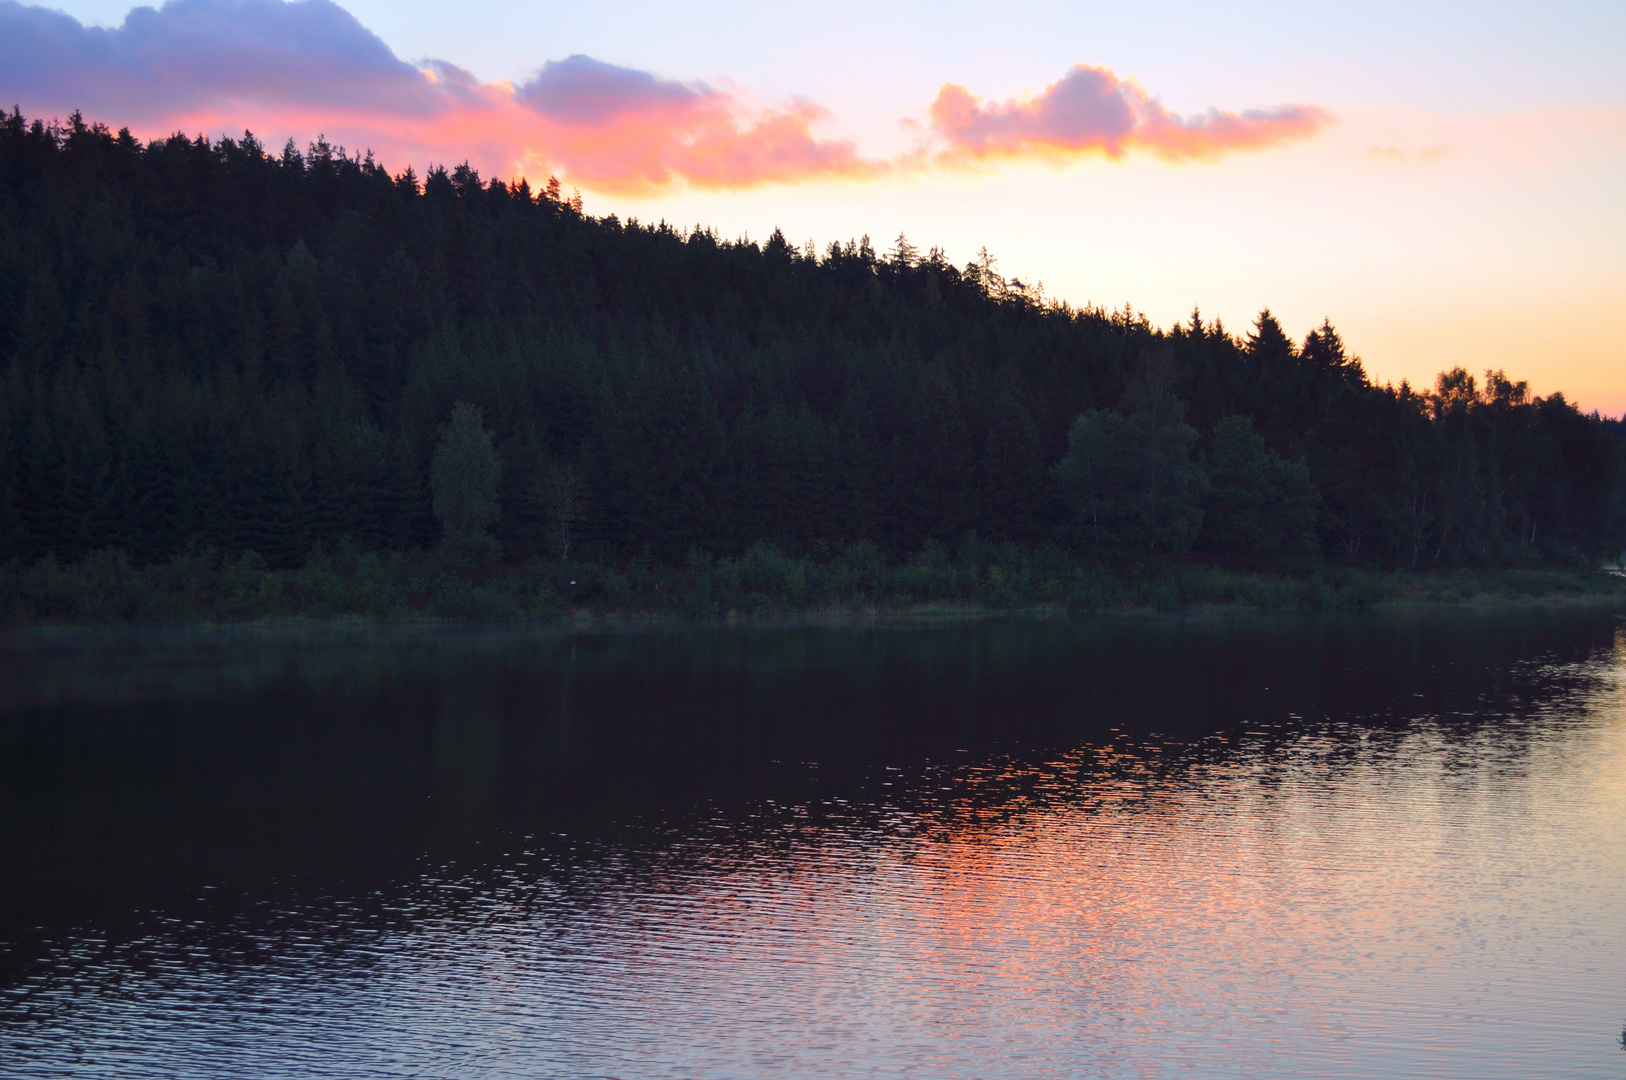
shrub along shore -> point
(350, 584)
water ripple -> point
(1320, 899)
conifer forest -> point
(209, 347)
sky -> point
(1443, 181)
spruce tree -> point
(463, 478)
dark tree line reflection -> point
(134, 768)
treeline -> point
(208, 347)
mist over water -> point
(1385, 845)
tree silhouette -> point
(1129, 474)
(558, 492)
(1258, 506)
(208, 347)
(463, 477)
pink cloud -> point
(611, 124)
(308, 67)
(1090, 110)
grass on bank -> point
(105, 587)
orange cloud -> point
(617, 129)
(1090, 110)
(310, 67)
(610, 125)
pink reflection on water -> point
(1339, 898)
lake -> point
(1387, 844)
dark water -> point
(1392, 845)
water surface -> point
(1387, 845)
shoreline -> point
(1423, 594)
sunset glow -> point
(1437, 206)
(309, 65)
(1089, 110)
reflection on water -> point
(1385, 846)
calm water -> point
(1392, 845)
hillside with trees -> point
(206, 347)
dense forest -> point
(205, 346)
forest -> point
(211, 349)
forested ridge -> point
(208, 347)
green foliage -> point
(1128, 476)
(545, 601)
(457, 598)
(350, 584)
(1096, 589)
(929, 577)
(1258, 506)
(205, 348)
(764, 571)
(463, 477)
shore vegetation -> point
(352, 584)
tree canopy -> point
(206, 345)
(463, 479)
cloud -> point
(230, 53)
(308, 67)
(1090, 110)
(581, 90)
(609, 122)
(1395, 153)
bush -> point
(244, 585)
(457, 598)
(1159, 594)
(865, 562)
(1093, 590)
(546, 602)
(698, 604)
(104, 586)
(615, 589)
(1359, 589)
(930, 576)
(764, 570)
